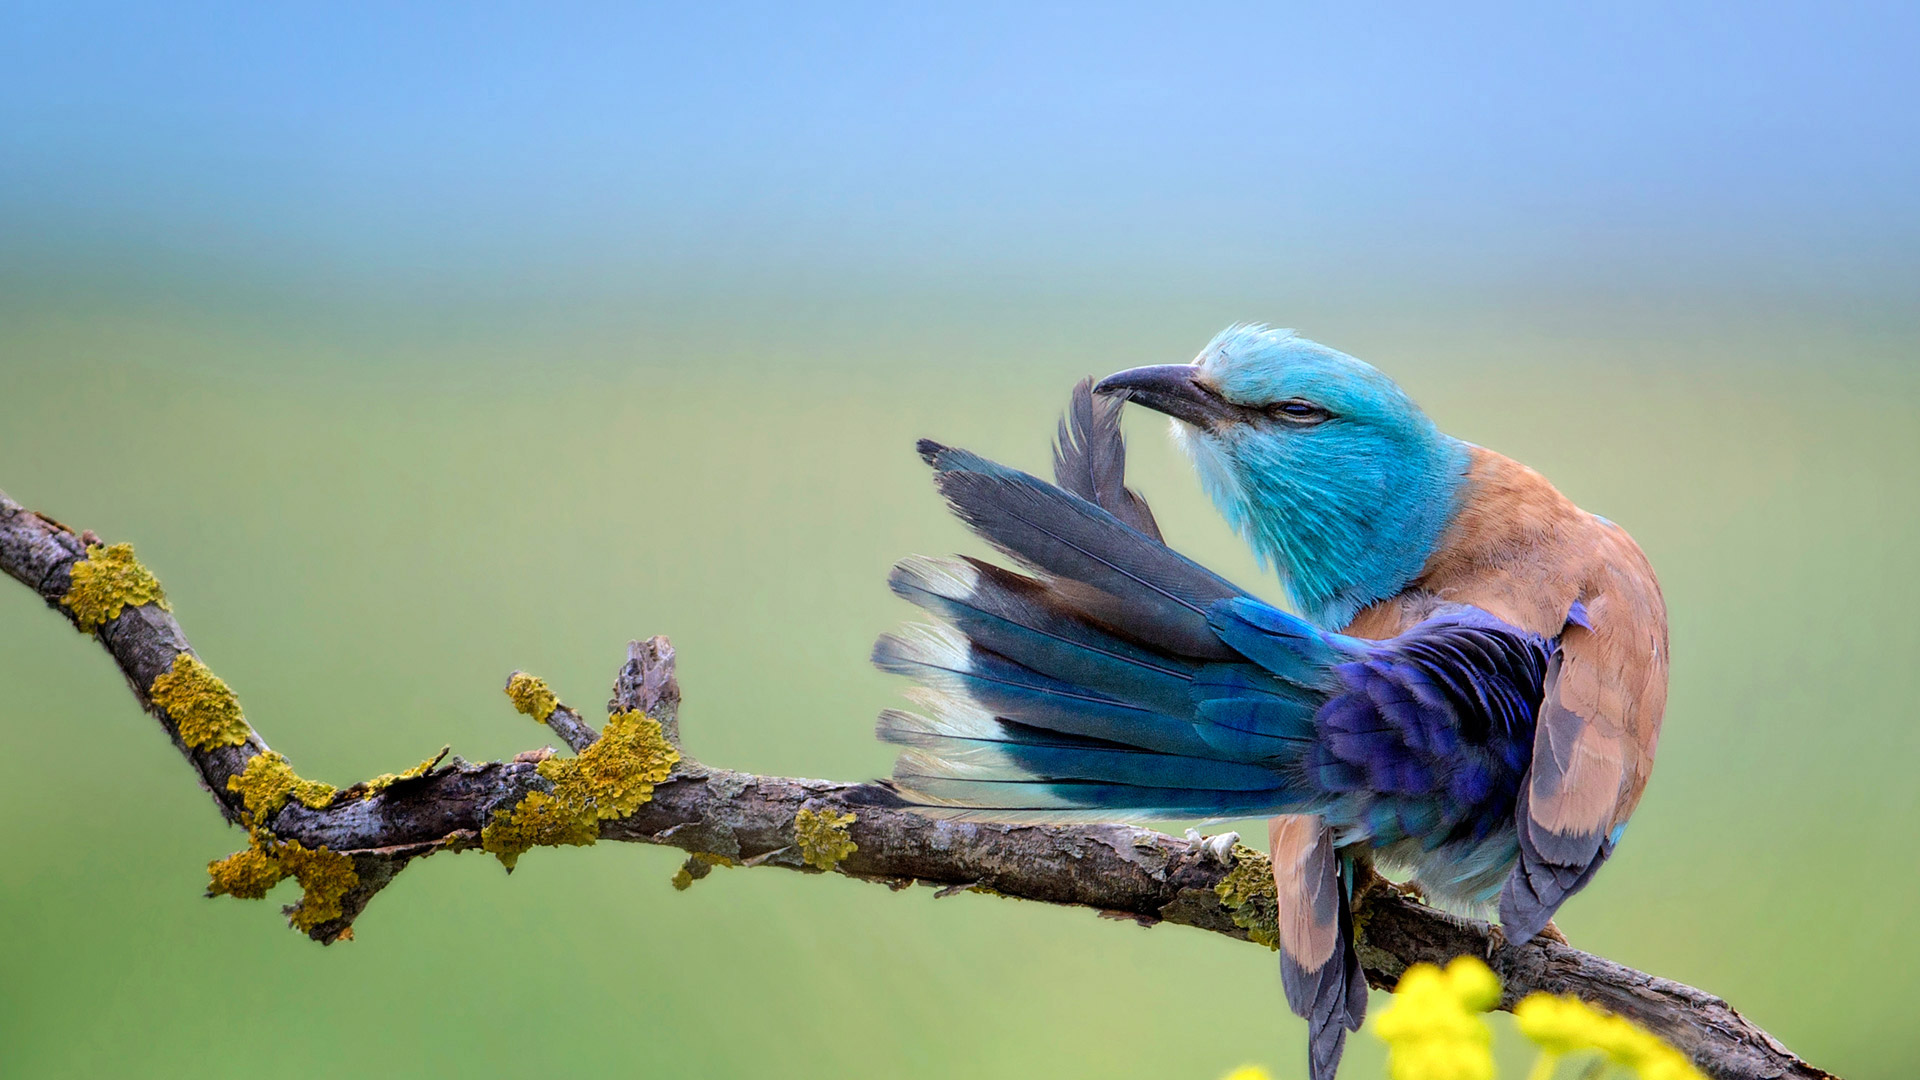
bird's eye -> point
(1296, 411)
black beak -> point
(1172, 389)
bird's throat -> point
(1342, 530)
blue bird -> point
(1469, 695)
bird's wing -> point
(1594, 740)
(1318, 965)
(1090, 458)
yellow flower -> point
(1432, 1029)
(1562, 1025)
(1248, 1072)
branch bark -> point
(724, 817)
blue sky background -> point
(607, 154)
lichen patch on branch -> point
(204, 710)
(615, 776)
(698, 865)
(539, 820)
(325, 877)
(370, 788)
(1247, 892)
(823, 837)
(531, 696)
(244, 875)
(610, 779)
(268, 782)
(105, 583)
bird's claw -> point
(1217, 848)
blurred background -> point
(415, 344)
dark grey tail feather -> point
(1539, 883)
(1325, 1044)
(1333, 998)
(1090, 458)
(1119, 576)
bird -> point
(1464, 687)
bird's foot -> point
(1217, 848)
(1412, 890)
(1497, 938)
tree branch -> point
(721, 817)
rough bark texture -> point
(1119, 870)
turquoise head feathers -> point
(1323, 464)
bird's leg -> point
(1554, 934)
(1368, 880)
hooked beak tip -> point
(1171, 389)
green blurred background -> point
(412, 348)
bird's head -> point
(1324, 464)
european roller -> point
(1467, 691)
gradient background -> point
(413, 345)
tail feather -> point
(1013, 752)
(944, 789)
(1117, 575)
(1090, 458)
(1016, 616)
(964, 680)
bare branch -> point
(721, 817)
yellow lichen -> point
(245, 875)
(530, 695)
(325, 879)
(106, 582)
(539, 820)
(698, 865)
(616, 775)
(269, 782)
(823, 837)
(1248, 893)
(610, 779)
(204, 710)
(386, 780)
